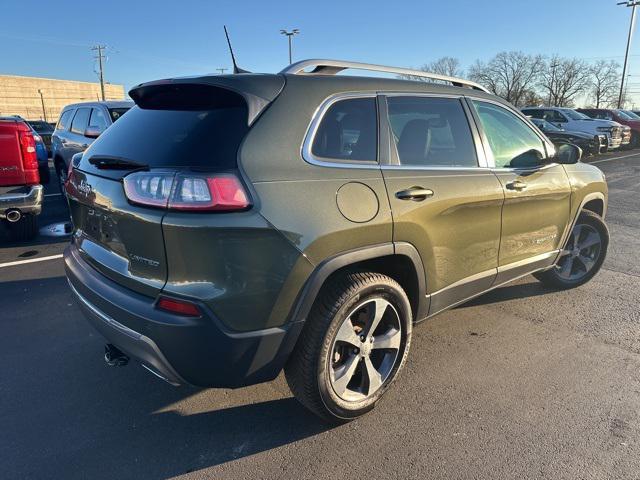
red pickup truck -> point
(20, 190)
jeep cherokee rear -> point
(230, 226)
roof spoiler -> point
(257, 90)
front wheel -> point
(582, 256)
(354, 344)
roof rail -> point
(331, 67)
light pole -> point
(44, 112)
(633, 4)
(221, 70)
(295, 31)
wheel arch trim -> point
(316, 280)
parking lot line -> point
(53, 194)
(30, 260)
(615, 158)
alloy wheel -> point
(580, 254)
(365, 350)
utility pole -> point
(221, 70)
(633, 4)
(100, 56)
(44, 112)
(295, 31)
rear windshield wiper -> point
(116, 163)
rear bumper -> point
(26, 199)
(197, 351)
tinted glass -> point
(573, 115)
(80, 120)
(116, 113)
(533, 112)
(513, 143)
(65, 118)
(41, 127)
(98, 119)
(204, 139)
(431, 132)
(348, 131)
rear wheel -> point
(355, 341)
(582, 256)
(61, 174)
(24, 229)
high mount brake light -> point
(186, 191)
(29, 156)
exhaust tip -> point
(114, 356)
(13, 215)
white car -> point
(569, 119)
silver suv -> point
(78, 126)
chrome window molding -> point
(319, 113)
(310, 135)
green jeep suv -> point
(232, 226)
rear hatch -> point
(176, 149)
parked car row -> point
(25, 147)
(592, 129)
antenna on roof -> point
(236, 69)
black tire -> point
(308, 369)
(61, 174)
(552, 278)
(24, 229)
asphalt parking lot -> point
(520, 383)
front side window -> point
(80, 121)
(348, 131)
(63, 122)
(430, 131)
(513, 143)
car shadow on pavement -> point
(65, 414)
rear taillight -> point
(186, 191)
(180, 307)
(29, 156)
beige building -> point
(22, 95)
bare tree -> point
(510, 75)
(562, 79)
(448, 66)
(605, 80)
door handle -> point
(417, 194)
(516, 185)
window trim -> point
(548, 146)
(313, 127)
(481, 157)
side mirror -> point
(92, 132)
(568, 154)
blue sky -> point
(156, 39)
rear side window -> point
(348, 131)
(65, 118)
(431, 132)
(80, 121)
(98, 119)
(176, 130)
(116, 113)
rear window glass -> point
(201, 139)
